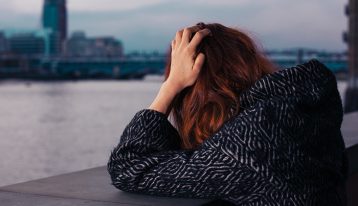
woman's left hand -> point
(185, 64)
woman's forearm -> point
(164, 97)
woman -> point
(246, 132)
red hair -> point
(232, 64)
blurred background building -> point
(351, 38)
(31, 42)
(78, 45)
(54, 18)
(3, 43)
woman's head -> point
(232, 64)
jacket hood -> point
(307, 93)
(310, 85)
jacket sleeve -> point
(148, 160)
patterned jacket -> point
(285, 147)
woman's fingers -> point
(178, 37)
(198, 63)
(173, 44)
(197, 38)
(187, 32)
(182, 37)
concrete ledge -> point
(92, 186)
(87, 187)
(17, 199)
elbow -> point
(118, 183)
(121, 183)
(119, 178)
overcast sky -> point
(151, 24)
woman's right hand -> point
(185, 64)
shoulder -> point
(313, 70)
(304, 73)
(310, 80)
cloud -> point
(35, 6)
(21, 7)
(109, 5)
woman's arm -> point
(165, 96)
(148, 160)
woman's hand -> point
(184, 69)
(185, 63)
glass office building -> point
(54, 18)
(27, 42)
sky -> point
(150, 25)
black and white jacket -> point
(285, 147)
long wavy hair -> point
(232, 63)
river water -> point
(53, 128)
(50, 128)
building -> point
(3, 43)
(54, 18)
(351, 38)
(106, 47)
(30, 42)
(79, 45)
(27, 43)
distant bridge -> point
(40, 67)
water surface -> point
(51, 128)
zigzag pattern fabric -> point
(285, 147)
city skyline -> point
(150, 25)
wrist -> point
(172, 86)
(165, 96)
